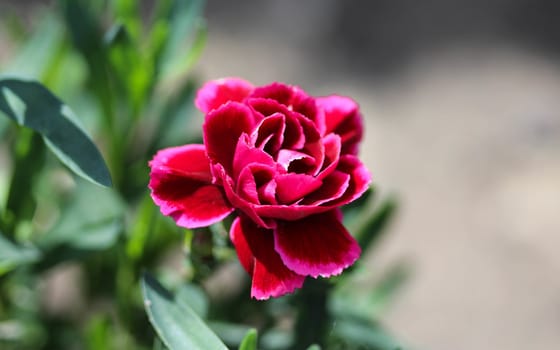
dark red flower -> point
(285, 162)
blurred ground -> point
(462, 103)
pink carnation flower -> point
(284, 162)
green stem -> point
(313, 317)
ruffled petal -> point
(238, 202)
(188, 160)
(252, 178)
(287, 212)
(217, 92)
(180, 185)
(255, 249)
(282, 93)
(246, 154)
(244, 253)
(342, 117)
(292, 187)
(222, 129)
(360, 178)
(331, 146)
(318, 245)
(293, 137)
(333, 187)
(269, 135)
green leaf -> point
(374, 225)
(92, 220)
(30, 104)
(194, 297)
(349, 301)
(387, 288)
(175, 118)
(277, 339)
(232, 334)
(38, 52)
(314, 347)
(186, 30)
(12, 255)
(249, 341)
(174, 321)
(357, 332)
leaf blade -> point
(12, 255)
(175, 322)
(249, 342)
(30, 104)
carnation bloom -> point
(284, 162)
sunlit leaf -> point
(175, 322)
(249, 341)
(30, 104)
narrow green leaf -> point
(231, 334)
(12, 255)
(386, 289)
(174, 122)
(373, 227)
(142, 228)
(39, 50)
(194, 297)
(349, 301)
(85, 226)
(175, 322)
(249, 342)
(362, 333)
(314, 347)
(184, 21)
(30, 104)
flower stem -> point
(313, 317)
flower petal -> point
(222, 129)
(318, 245)
(342, 117)
(269, 135)
(255, 248)
(242, 247)
(292, 187)
(276, 91)
(333, 187)
(217, 92)
(180, 184)
(287, 212)
(246, 154)
(251, 178)
(187, 160)
(360, 178)
(238, 202)
(331, 146)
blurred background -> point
(462, 107)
